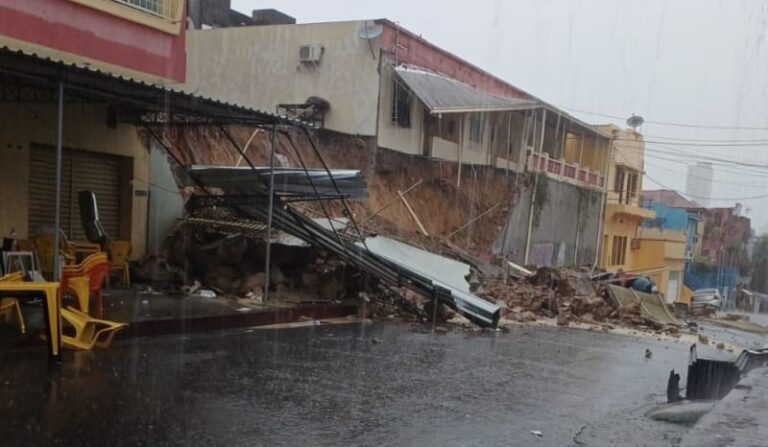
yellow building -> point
(623, 209)
(660, 255)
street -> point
(379, 384)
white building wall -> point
(259, 66)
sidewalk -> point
(152, 313)
(739, 419)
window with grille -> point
(401, 106)
(619, 250)
(164, 8)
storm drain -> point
(713, 379)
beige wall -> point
(259, 66)
(392, 136)
(85, 128)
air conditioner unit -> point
(634, 244)
(311, 53)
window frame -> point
(477, 128)
(402, 106)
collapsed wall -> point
(565, 216)
(447, 198)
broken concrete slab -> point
(682, 412)
(651, 305)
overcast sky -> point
(699, 63)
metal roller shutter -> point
(81, 170)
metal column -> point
(57, 200)
(269, 214)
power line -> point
(669, 123)
(720, 182)
(719, 199)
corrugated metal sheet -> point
(80, 170)
(85, 79)
(442, 94)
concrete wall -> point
(165, 202)
(259, 66)
(667, 218)
(85, 128)
(391, 136)
(568, 211)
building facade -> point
(623, 207)
(376, 79)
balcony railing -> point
(167, 9)
(569, 172)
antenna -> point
(370, 31)
(635, 121)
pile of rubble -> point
(549, 293)
(567, 296)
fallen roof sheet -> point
(442, 94)
(651, 304)
(247, 181)
(394, 273)
(445, 270)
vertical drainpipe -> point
(461, 150)
(57, 200)
(535, 185)
(606, 169)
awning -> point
(28, 77)
(442, 94)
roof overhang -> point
(629, 210)
(441, 94)
(26, 77)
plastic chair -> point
(86, 279)
(9, 306)
(118, 254)
(89, 332)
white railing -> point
(570, 172)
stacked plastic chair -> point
(83, 280)
(86, 279)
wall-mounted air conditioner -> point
(311, 53)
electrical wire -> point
(669, 123)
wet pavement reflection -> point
(380, 384)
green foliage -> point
(542, 197)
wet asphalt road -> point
(371, 385)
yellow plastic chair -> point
(118, 255)
(89, 332)
(9, 306)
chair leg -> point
(127, 275)
(22, 326)
(99, 305)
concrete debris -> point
(567, 296)
(681, 412)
